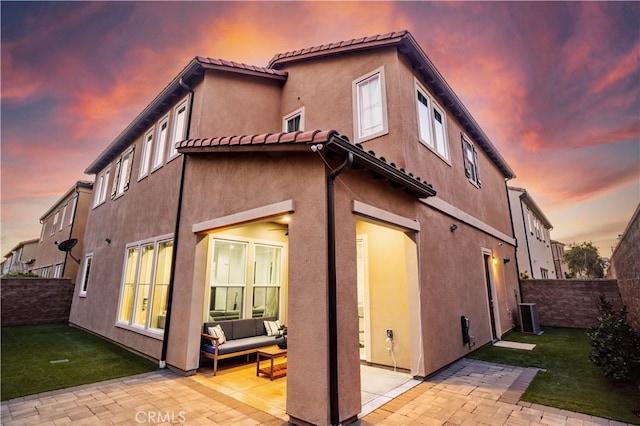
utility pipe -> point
(334, 411)
(176, 232)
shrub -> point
(615, 345)
(28, 274)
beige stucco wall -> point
(297, 177)
(223, 104)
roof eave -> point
(412, 185)
(78, 184)
(129, 133)
(409, 47)
(194, 69)
(529, 201)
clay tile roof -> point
(330, 139)
(327, 48)
(238, 67)
(308, 137)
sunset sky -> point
(556, 87)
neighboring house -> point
(21, 258)
(560, 266)
(222, 194)
(65, 220)
(531, 227)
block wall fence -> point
(569, 303)
(27, 301)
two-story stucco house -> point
(230, 196)
(64, 220)
(21, 257)
(531, 228)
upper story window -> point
(293, 122)
(54, 223)
(74, 205)
(179, 127)
(470, 157)
(145, 160)
(123, 173)
(161, 142)
(64, 212)
(431, 124)
(370, 107)
(100, 187)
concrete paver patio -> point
(469, 392)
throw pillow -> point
(272, 327)
(218, 332)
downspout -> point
(513, 233)
(526, 235)
(73, 222)
(176, 233)
(332, 290)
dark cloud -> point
(556, 85)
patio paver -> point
(469, 392)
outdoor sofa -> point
(243, 337)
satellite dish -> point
(67, 245)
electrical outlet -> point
(390, 334)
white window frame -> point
(62, 217)
(86, 273)
(123, 174)
(130, 325)
(469, 148)
(100, 190)
(45, 271)
(179, 128)
(57, 271)
(428, 132)
(43, 231)
(297, 113)
(162, 136)
(380, 128)
(145, 158)
(73, 209)
(249, 273)
(54, 223)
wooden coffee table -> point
(270, 353)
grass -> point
(571, 381)
(33, 359)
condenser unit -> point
(530, 319)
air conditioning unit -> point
(530, 318)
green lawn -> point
(570, 381)
(54, 356)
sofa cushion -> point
(219, 333)
(260, 329)
(272, 327)
(244, 328)
(246, 343)
(227, 327)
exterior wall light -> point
(453, 227)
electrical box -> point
(530, 319)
